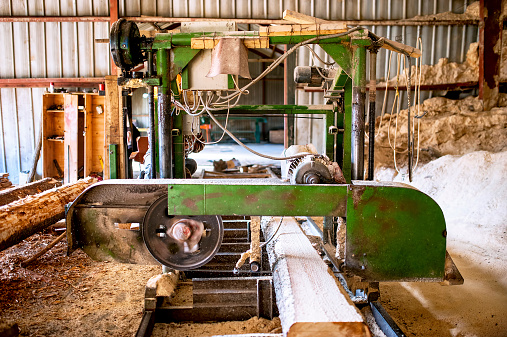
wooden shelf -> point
(79, 153)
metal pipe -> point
(357, 120)
(165, 125)
(124, 141)
(165, 120)
(151, 117)
(409, 134)
(171, 19)
(372, 114)
(151, 134)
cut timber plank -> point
(16, 193)
(310, 300)
(20, 219)
(211, 42)
(319, 29)
(296, 17)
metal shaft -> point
(165, 121)
(165, 144)
(409, 130)
(151, 119)
(371, 114)
(358, 102)
(124, 140)
(151, 134)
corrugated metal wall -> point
(69, 50)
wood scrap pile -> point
(4, 181)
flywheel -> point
(181, 242)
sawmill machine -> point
(393, 232)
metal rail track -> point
(220, 294)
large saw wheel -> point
(181, 242)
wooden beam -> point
(310, 300)
(113, 17)
(58, 82)
(23, 218)
(113, 133)
(319, 29)
(295, 17)
(490, 29)
(211, 42)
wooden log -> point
(310, 300)
(22, 218)
(21, 192)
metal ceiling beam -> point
(159, 19)
(44, 82)
(54, 18)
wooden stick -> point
(36, 154)
(43, 251)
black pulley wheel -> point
(191, 165)
(125, 44)
(158, 229)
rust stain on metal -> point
(213, 195)
(190, 203)
(357, 194)
(251, 199)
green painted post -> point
(113, 161)
(347, 126)
(358, 104)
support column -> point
(358, 101)
(165, 120)
(289, 96)
(490, 28)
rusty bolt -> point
(181, 232)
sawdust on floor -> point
(61, 295)
(472, 192)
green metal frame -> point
(113, 161)
(393, 232)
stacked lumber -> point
(4, 181)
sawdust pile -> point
(472, 192)
(444, 71)
(449, 127)
(252, 326)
